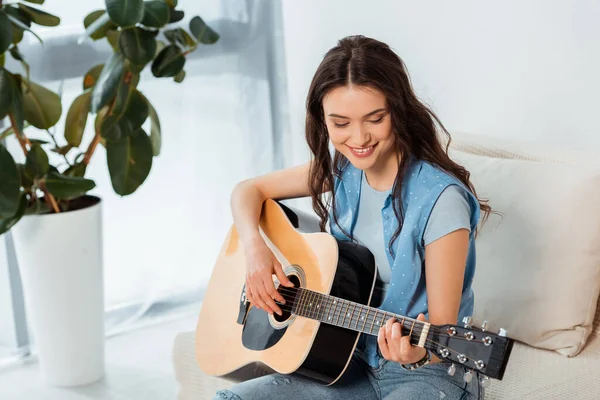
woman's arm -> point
(445, 262)
(246, 204)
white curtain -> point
(221, 125)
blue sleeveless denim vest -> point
(406, 294)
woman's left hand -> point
(396, 347)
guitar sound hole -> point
(290, 297)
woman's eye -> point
(377, 121)
(341, 125)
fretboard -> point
(347, 314)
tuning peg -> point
(484, 325)
(467, 321)
(451, 369)
(484, 381)
(468, 376)
(502, 332)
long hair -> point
(359, 60)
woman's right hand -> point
(261, 264)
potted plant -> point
(45, 200)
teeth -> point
(363, 151)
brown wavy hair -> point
(359, 60)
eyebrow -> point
(366, 115)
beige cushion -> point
(538, 265)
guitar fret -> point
(342, 311)
(365, 319)
(372, 322)
(352, 315)
(307, 303)
(310, 304)
(299, 295)
(349, 315)
(320, 306)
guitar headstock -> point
(474, 348)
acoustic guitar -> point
(332, 303)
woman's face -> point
(359, 125)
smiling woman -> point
(391, 187)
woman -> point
(392, 188)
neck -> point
(382, 176)
(350, 315)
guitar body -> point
(231, 334)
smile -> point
(362, 152)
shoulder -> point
(442, 190)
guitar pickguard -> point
(258, 334)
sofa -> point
(538, 271)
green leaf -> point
(26, 181)
(76, 170)
(38, 141)
(137, 110)
(125, 13)
(2, 59)
(42, 107)
(16, 108)
(6, 96)
(62, 150)
(10, 184)
(36, 163)
(14, 52)
(156, 14)
(18, 14)
(129, 162)
(6, 32)
(35, 1)
(176, 16)
(113, 39)
(124, 93)
(18, 34)
(7, 223)
(155, 133)
(116, 128)
(40, 17)
(22, 26)
(107, 83)
(67, 187)
(202, 32)
(180, 36)
(169, 62)
(180, 76)
(100, 24)
(171, 3)
(77, 119)
(91, 77)
(138, 45)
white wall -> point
(510, 69)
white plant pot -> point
(60, 260)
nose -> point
(360, 136)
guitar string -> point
(294, 291)
(415, 333)
(290, 291)
(411, 334)
(415, 330)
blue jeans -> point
(389, 381)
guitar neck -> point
(358, 317)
